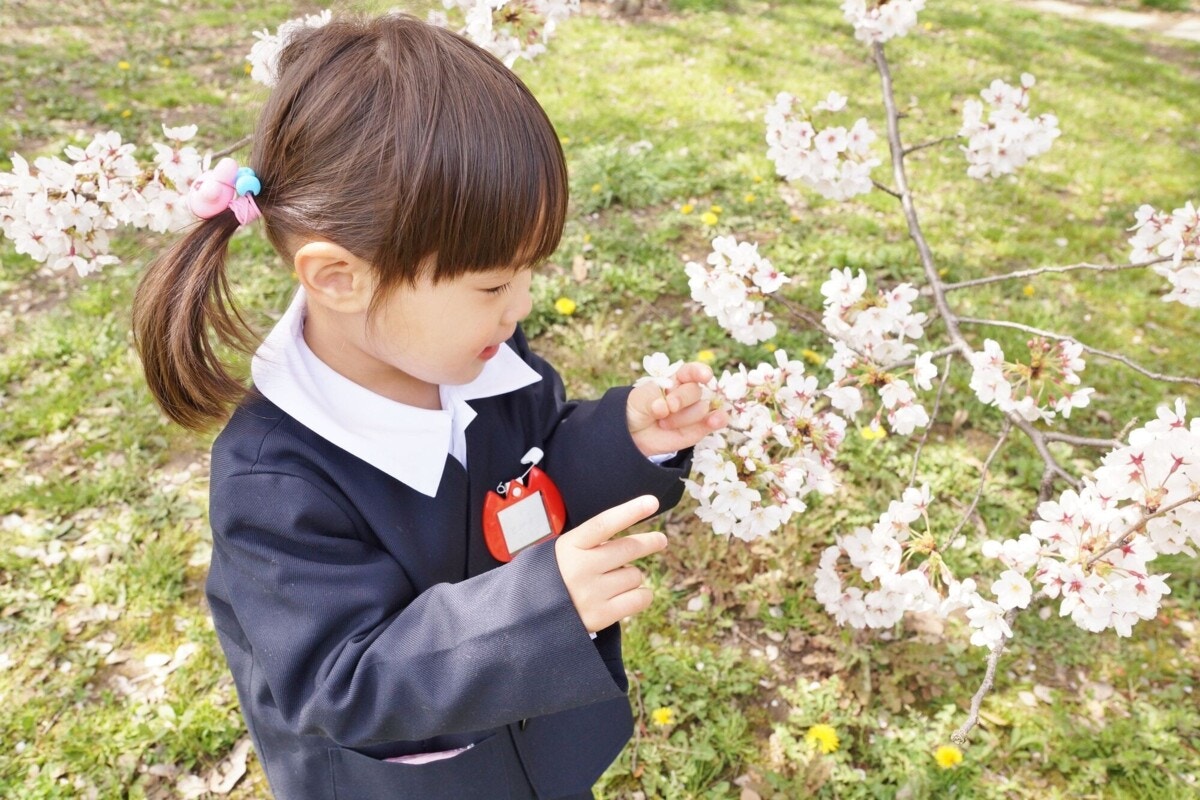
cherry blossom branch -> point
(1087, 349)
(983, 476)
(989, 680)
(1028, 273)
(937, 401)
(949, 318)
(1136, 527)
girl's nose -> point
(519, 308)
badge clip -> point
(522, 512)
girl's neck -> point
(341, 353)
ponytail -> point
(183, 294)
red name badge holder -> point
(522, 512)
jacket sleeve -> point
(590, 453)
(351, 651)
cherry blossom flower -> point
(835, 162)
(1176, 236)
(264, 55)
(1010, 137)
(61, 212)
(510, 29)
(881, 20)
(733, 286)
(1045, 387)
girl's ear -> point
(334, 277)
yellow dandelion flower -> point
(715, 209)
(873, 433)
(795, 218)
(709, 218)
(769, 347)
(126, 114)
(663, 716)
(587, 237)
(928, 26)
(1027, 290)
(123, 65)
(758, 178)
(822, 737)
(565, 306)
(565, 140)
(728, 90)
(948, 756)
(686, 208)
(812, 356)
(596, 187)
(943, 272)
(706, 356)
(248, 69)
(164, 62)
(749, 197)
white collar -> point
(406, 442)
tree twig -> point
(937, 401)
(1158, 376)
(1081, 441)
(1029, 273)
(983, 476)
(233, 148)
(989, 680)
(934, 143)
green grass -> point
(103, 505)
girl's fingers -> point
(635, 601)
(619, 581)
(616, 553)
(683, 396)
(607, 524)
(694, 372)
(690, 415)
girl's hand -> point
(603, 585)
(666, 422)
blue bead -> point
(246, 182)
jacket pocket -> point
(478, 773)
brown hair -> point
(404, 143)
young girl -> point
(383, 646)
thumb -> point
(607, 524)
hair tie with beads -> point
(225, 186)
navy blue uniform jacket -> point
(364, 620)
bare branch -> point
(937, 401)
(1081, 441)
(233, 148)
(983, 476)
(887, 189)
(934, 143)
(1158, 376)
(1029, 273)
(989, 680)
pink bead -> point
(211, 193)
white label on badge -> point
(525, 522)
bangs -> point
(488, 188)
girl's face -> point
(432, 334)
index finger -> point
(610, 522)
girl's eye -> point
(498, 289)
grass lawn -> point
(111, 681)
